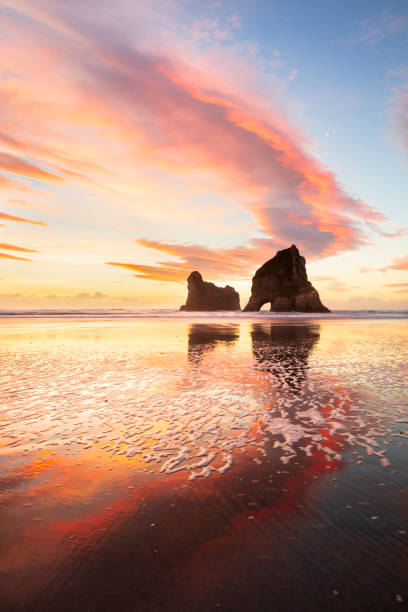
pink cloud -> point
(394, 233)
(103, 97)
(398, 287)
(400, 263)
(17, 165)
(11, 184)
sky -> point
(142, 141)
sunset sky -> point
(142, 140)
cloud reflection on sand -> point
(151, 407)
(104, 422)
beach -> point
(155, 462)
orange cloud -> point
(153, 272)
(8, 217)
(13, 247)
(215, 264)
(18, 202)
(400, 263)
(11, 184)
(7, 256)
(402, 286)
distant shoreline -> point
(118, 313)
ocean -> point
(117, 313)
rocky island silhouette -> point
(281, 281)
(207, 296)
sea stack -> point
(282, 282)
(207, 296)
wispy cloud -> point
(399, 285)
(400, 112)
(166, 274)
(18, 202)
(8, 217)
(97, 295)
(18, 165)
(400, 263)
(397, 233)
(214, 263)
(373, 30)
(13, 247)
(8, 256)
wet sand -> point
(198, 465)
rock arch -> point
(283, 282)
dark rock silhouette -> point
(283, 282)
(207, 296)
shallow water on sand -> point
(173, 464)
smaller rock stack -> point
(203, 295)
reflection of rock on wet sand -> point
(283, 350)
(203, 338)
